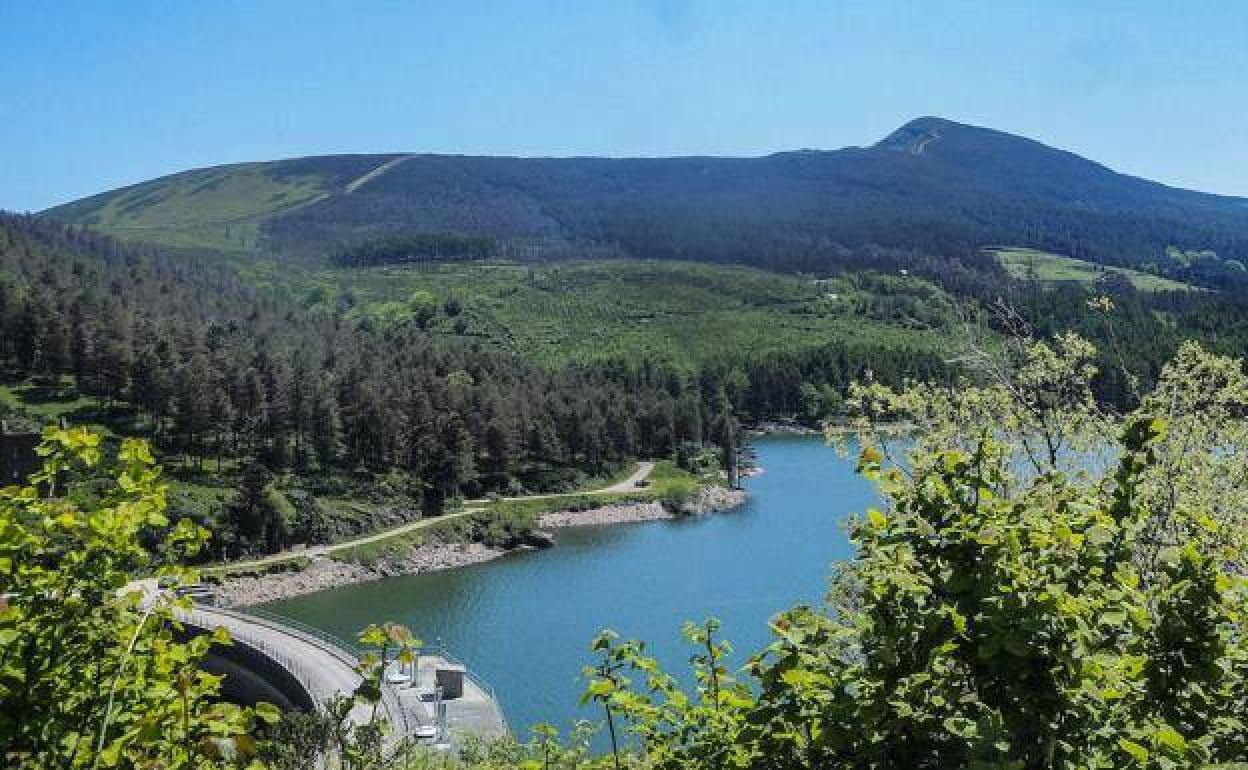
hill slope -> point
(933, 186)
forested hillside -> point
(933, 187)
(218, 368)
(224, 375)
(445, 326)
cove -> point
(524, 622)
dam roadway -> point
(324, 668)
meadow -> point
(1046, 267)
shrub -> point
(90, 672)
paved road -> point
(325, 550)
(321, 669)
(644, 469)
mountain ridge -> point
(933, 185)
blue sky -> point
(99, 94)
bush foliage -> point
(91, 672)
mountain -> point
(933, 186)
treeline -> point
(414, 247)
(1141, 333)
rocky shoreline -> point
(607, 514)
(710, 499)
(325, 572)
(785, 428)
(837, 427)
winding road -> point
(630, 484)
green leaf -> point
(268, 713)
(1137, 752)
(373, 636)
(1171, 738)
(600, 688)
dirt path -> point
(644, 468)
(325, 550)
(627, 485)
(359, 182)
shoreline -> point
(827, 428)
(777, 428)
(710, 499)
(324, 572)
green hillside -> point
(1042, 266)
(222, 207)
(578, 311)
(933, 187)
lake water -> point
(524, 622)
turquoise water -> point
(524, 622)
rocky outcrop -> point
(783, 428)
(712, 499)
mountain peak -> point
(917, 136)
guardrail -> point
(294, 667)
(334, 643)
(346, 652)
(349, 653)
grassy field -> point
(577, 311)
(1043, 266)
(215, 208)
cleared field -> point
(1046, 267)
(592, 310)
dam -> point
(435, 701)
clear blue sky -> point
(98, 94)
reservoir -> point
(524, 622)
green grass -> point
(44, 403)
(33, 406)
(201, 502)
(1045, 267)
(593, 310)
(217, 208)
